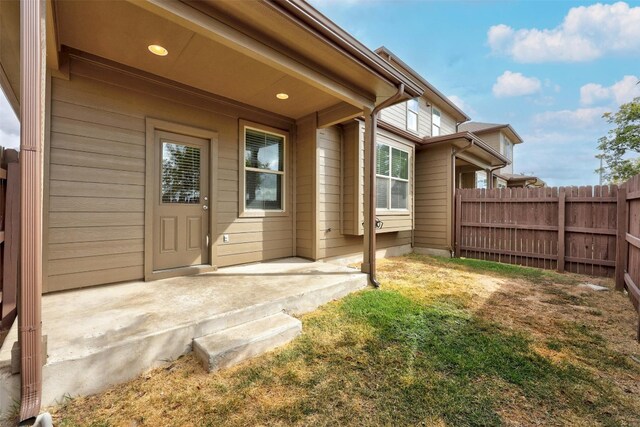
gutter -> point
(490, 175)
(371, 219)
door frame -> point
(153, 125)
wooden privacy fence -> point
(568, 228)
(628, 273)
(9, 237)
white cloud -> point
(515, 84)
(582, 118)
(464, 106)
(9, 125)
(586, 33)
(620, 92)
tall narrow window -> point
(392, 178)
(435, 122)
(413, 109)
(264, 160)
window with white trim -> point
(506, 147)
(392, 178)
(264, 170)
(435, 122)
(413, 110)
(481, 179)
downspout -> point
(491, 173)
(371, 220)
(32, 84)
(454, 153)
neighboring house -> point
(180, 137)
(502, 138)
(445, 155)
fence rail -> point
(566, 228)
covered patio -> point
(105, 335)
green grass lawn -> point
(443, 342)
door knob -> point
(205, 207)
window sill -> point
(392, 212)
(262, 214)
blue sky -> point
(550, 68)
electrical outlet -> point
(225, 238)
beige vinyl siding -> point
(332, 242)
(433, 208)
(306, 187)
(493, 139)
(353, 178)
(97, 174)
(447, 124)
(396, 115)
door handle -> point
(205, 207)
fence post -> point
(561, 224)
(11, 249)
(621, 238)
(458, 233)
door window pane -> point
(180, 173)
(263, 191)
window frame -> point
(417, 114)
(243, 211)
(433, 125)
(389, 209)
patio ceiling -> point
(249, 52)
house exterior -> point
(445, 156)
(163, 139)
(502, 138)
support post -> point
(561, 232)
(369, 211)
(458, 216)
(32, 90)
(622, 246)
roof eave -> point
(462, 116)
(303, 13)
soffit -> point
(287, 36)
(121, 32)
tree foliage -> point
(621, 147)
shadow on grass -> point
(535, 275)
(448, 365)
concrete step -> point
(234, 345)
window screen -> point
(435, 123)
(413, 109)
(264, 170)
(392, 180)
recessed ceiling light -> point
(156, 49)
(282, 96)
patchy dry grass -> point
(445, 342)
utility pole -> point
(601, 169)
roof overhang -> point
(430, 91)
(505, 128)
(515, 179)
(471, 144)
(229, 48)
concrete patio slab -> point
(105, 335)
